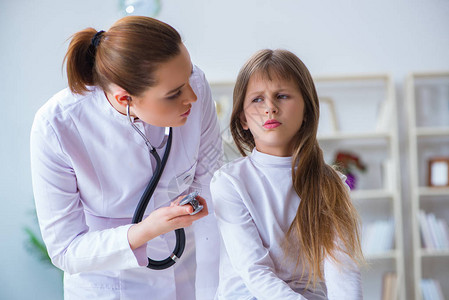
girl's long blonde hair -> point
(326, 221)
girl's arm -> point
(248, 256)
(343, 280)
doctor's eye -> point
(174, 96)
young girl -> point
(91, 164)
(288, 227)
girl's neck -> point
(275, 151)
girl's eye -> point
(282, 96)
(257, 100)
(174, 96)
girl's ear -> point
(243, 121)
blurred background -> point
(339, 41)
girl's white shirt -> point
(89, 170)
(255, 203)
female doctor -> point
(91, 164)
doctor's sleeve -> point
(248, 256)
(206, 232)
(70, 244)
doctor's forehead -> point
(175, 71)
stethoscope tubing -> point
(149, 190)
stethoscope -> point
(149, 190)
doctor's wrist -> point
(139, 235)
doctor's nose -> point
(190, 95)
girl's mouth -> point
(272, 123)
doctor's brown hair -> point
(126, 55)
(326, 222)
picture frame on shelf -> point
(329, 115)
(438, 172)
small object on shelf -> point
(389, 286)
(431, 289)
(347, 161)
(438, 172)
(378, 237)
(434, 231)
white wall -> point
(332, 37)
(32, 36)
(344, 37)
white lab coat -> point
(89, 169)
(255, 204)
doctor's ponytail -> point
(80, 61)
(126, 55)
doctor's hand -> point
(163, 220)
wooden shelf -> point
(433, 191)
(354, 136)
(435, 253)
(423, 91)
(432, 131)
(382, 256)
(370, 194)
(377, 145)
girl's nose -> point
(271, 109)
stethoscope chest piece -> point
(191, 199)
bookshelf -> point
(357, 114)
(428, 104)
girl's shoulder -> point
(343, 178)
(232, 169)
(229, 178)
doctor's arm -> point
(249, 257)
(72, 247)
(70, 244)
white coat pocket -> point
(181, 182)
